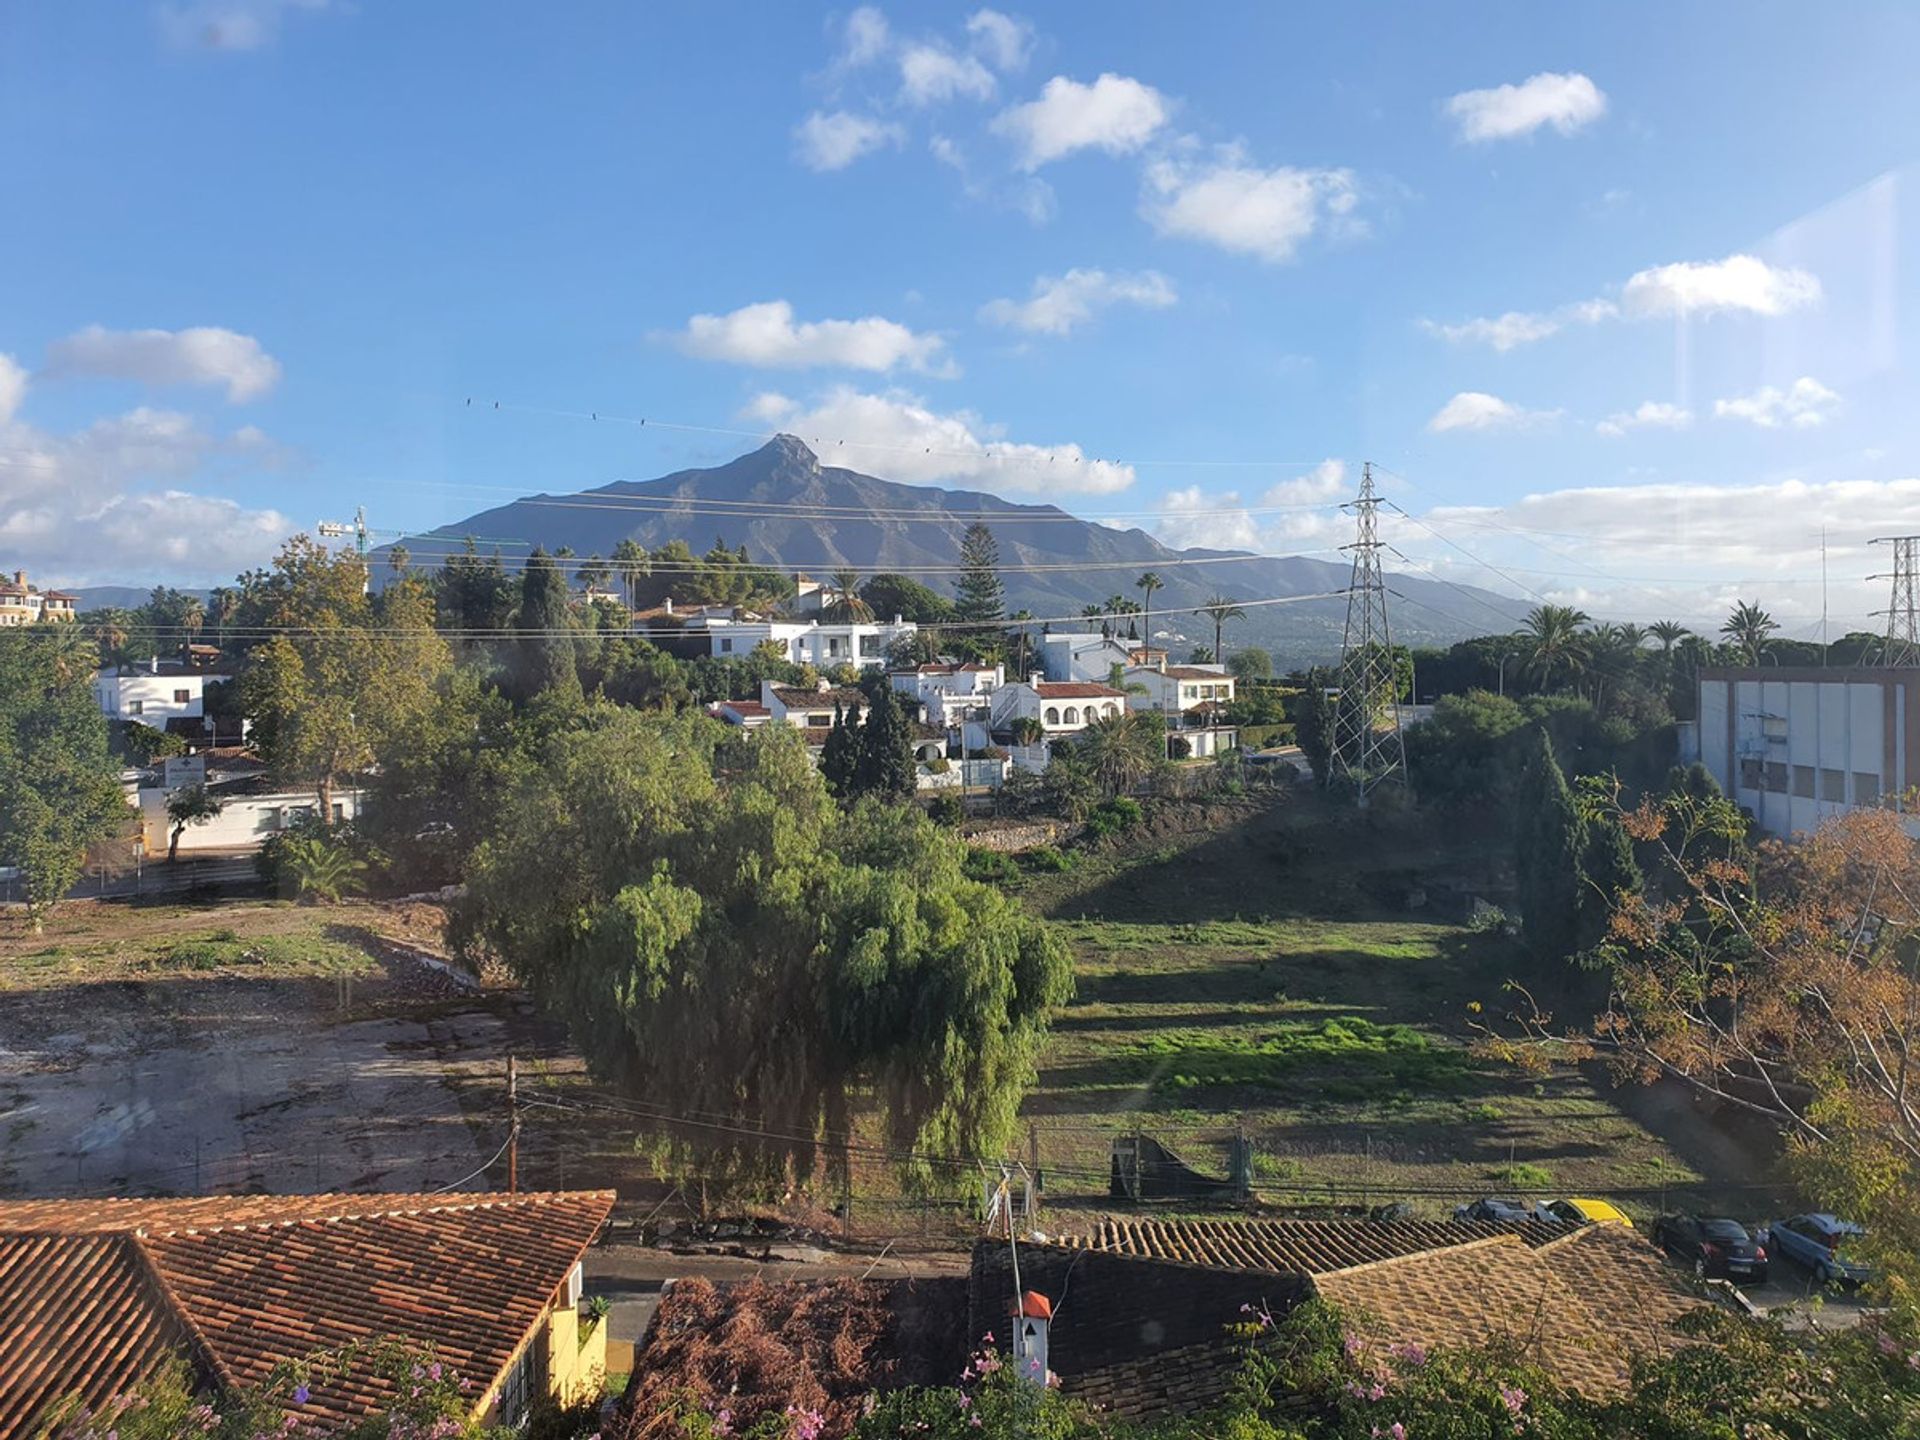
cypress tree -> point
(545, 651)
(1547, 846)
(980, 597)
(1611, 871)
(839, 755)
(883, 763)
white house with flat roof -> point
(821, 644)
(154, 692)
(1797, 745)
(1192, 698)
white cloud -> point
(1060, 302)
(769, 407)
(1477, 410)
(766, 335)
(1326, 482)
(13, 387)
(930, 75)
(833, 140)
(897, 435)
(1193, 518)
(231, 24)
(1506, 112)
(204, 355)
(1115, 114)
(1802, 405)
(1029, 194)
(867, 37)
(1648, 415)
(1240, 207)
(1005, 41)
(78, 508)
(1737, 283)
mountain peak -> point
(791, 448)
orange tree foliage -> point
(1779, 979)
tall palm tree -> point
(193, 615)
(1749, 628)
(1220, 610)
(1556, 642)
(1147, 584)
(1098, 612)
(1669, 633)
(849, 606)
(1120, 749)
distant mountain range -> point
(796, 514)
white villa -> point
(811, 642)
(153, 693)
(1082, 657)
(950, 695)
(1192, 698)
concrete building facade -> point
(1798, 745)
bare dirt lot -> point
(241, 1047)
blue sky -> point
(1620, 297)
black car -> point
(1713, 1245)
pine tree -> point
(883, 763)
(979, 596)
(839, 756)
(1547, 845)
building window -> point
(1053, 716)
(1866, 788)
(1749, 773)
(1073, 715)
(1803, 781)
(1833, 786)
(136, 707)
(1776, 777)
(819, 722)
(833, 645)
(726, 647)
(869, 644)
(183, 697)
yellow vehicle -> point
(1587, 1212)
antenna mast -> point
(1364, 754)
(1902, 645)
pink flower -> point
(1378, 1392)
(723, 1423)
(1413, 1352)
(1514, 1398)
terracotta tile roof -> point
(1077, 690)
(1196, 672)
(1554, 1309)
(256, 1280)
(743, 708)
(1292, 1247)
(77, 1313)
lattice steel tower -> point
(1365, 755)
(1902, 645)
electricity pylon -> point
(1902, 645)
(1364, 754)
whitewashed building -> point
(821, 644)
(1796, 745)
(153, 693)
(1076, 656)
(950, 694)
(1193, 700)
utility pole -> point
(1902, 645)
(513, 1126)
(1363, 754)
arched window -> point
(1053, 716)
(1073, 715)
(1112, 710)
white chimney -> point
(668, 602)
(1032, 1317)
(153, 666)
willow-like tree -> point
(727, 943)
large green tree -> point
(59, 790)
(727, 944)
(883, 748)
(889, 595)
(346, 677)
(546, 652)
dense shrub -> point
(1110, 817)
(993, 867)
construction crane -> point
(361, 533)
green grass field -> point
(1275, 994)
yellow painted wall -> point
(576, 1355)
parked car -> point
(1586, 1212)
(1820, 1242)
(1497, 1211)
(1713, 1245)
